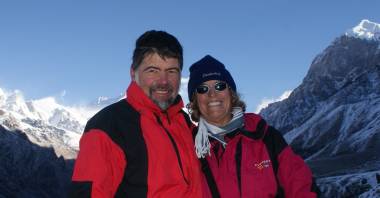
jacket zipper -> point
(175, 148)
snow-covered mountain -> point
(38, 143)
(333, 118)
(44, 121)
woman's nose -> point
(211, 92)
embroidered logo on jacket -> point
(263, 164)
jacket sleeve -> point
(294, 175)
(99, 167)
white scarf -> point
(206, 130)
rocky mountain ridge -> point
(333, 118)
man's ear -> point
(133, 74)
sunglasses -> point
(219, 86)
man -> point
(141, 146)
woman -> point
(241, 155)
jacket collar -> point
(254, 127)
(142, 103)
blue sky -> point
(84, 48)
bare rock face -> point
(29, 170)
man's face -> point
(159, 78)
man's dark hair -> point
(160, 42)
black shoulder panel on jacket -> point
(121, 122)
(274, 140)
(187, 118)
(256, 134)
(275, 143)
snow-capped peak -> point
(44, 121)
(14, 101)
(365, 30)
(46, 107)
(49, 109)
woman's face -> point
(214, 101)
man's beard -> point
(162, 104)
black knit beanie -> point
(208, 68)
